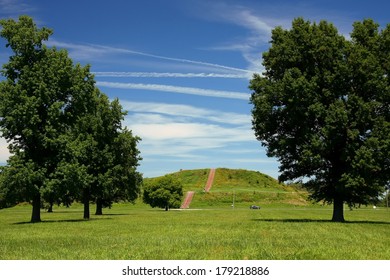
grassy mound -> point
(245, 187)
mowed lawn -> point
(140, 232)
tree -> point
(121, 179)
(322, 108)
(42, 94)
(66, 138)
(165, 192)
(109, 153)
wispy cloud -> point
(245, 17)
(82, 51)
(13, 8)
(181, 60)
(185, 111)
(186, 132)
(92, 51)
(189, 138)
(177, 89)
(259, 19)
(257, 31)
(169, 75)
(196, 133)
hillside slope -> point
(245, 187)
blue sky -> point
(181, 68)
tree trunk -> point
(50, 209)
(86, 204)
(99, 207)
(338, 210)
(36, 210)
(166, 208)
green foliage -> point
(65, 183)
(322, 108)
(108, 152)
(39, 99)
(21, 179)
(66, 138)
(164, 192)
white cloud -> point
(92, 51)
(244, 17)
(177, 89)
(82, 51)
(257, 31)
(260, 19)
(178, 144)
(194, 133)
(186, 111)
(183, 132)
(14, 7)
(181, 60)
(169, 75)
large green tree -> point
(322, 109)
(109, 154)
(42, 94)
(66, 137)
(165, 192)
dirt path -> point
(187, 200)
(210, 180)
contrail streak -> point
(177, 89)
(169, 75)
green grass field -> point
(139, 232)
(286, 227)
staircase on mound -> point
(210, 180)
(190, 194)
(187, 200)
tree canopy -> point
(65, 137)
(165, 192)
(107, 154)
(322, 108)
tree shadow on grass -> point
(63, 221)
(319, 221)
(96, 218)
(109, 214)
